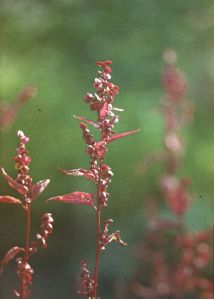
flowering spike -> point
(173, 79)
(29, 192)
(24, 272)
(87, 281)
(101, 101)
(46, 229)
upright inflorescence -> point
(176, 113)
(101, 101)
(172, 261)
(28, 191)
(22, 161)
(46, 229)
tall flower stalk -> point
(99, 173)
(28, 191)
(177, 112)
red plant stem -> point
(96, 268)
(27, 244)
(27, 241)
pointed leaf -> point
(103, 110)
(121, 135)
(12, 182)
(10, 255)
(88, 174)
(39, 187)
(75, 198)
(96, 125)
(10, 200)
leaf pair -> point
(34, 191)
(111, 138)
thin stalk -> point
(96, 268)
(27, 240)
(27, 244)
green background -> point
(54, 45)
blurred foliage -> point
(54, 45)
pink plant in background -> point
(99, 173)
(176, 113)
(29, 192)
(8, 112)
(172, 262)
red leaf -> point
(88, 174)
(96, 125)
(10, 255)
(38, 188)
(75, 198)
(103, 110)
(12, 182)
(10, 200)
(121, 135)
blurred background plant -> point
(173, 261)
(54, 45)
(9, 111)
